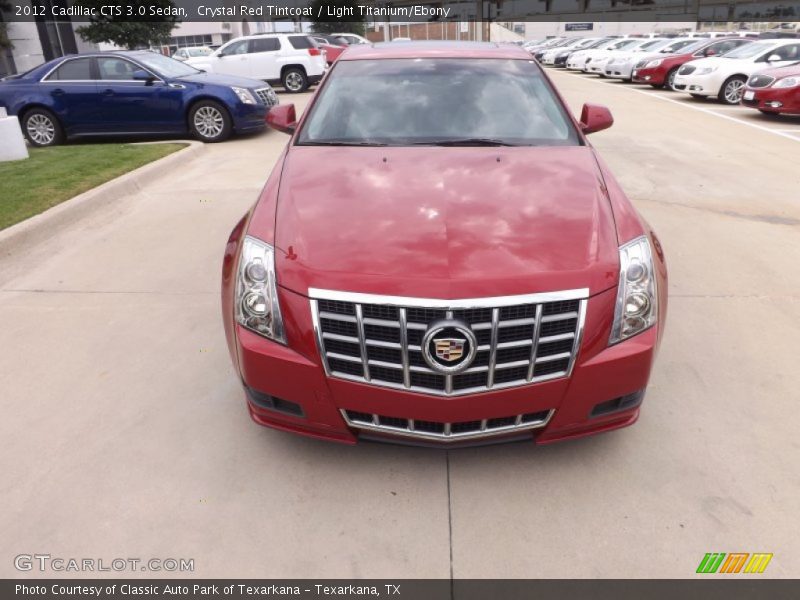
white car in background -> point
(725, 76)
(577, 59)
(291, 60)
(597, 61)
(621, 66)
(352, 39)
(549, 57)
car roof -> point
(434, 49)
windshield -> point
(749, 50)
(652, 45)
(164, 66)
(694, 46)
(624, 44)
(198, 51)
(679, 45)
(404, 102)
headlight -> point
(244, 95)
(705, 70)
(256, 300)
(637, 302)
(787, 82)
(653, 63)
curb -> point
(42, 226)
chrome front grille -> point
(446, 432)
(267, 95)
(760, 81)
(377, 339)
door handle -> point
(108, 92)
(58, 92)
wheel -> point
(732, 89)
(698, 96)
(669, 81)
(210, 122)
(294, 80)
(41, 128)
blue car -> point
(132, 93)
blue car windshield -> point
(165, 66)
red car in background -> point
(463, 274)
(332, 45)
(774, 91)
(660, 72)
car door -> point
(233, 59)
(72, 88)
(128, 105)
(262, 53)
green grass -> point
(52, 175)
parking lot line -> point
(709, 111)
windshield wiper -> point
(341, 143)
(465, 142)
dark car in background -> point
(132, 93)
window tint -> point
(265, 44)
(116, 69)
(301, 42)
(79, 69)
(790, 52)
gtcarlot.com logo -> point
(735, 562)
(46, 562)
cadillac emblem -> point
(449, 347)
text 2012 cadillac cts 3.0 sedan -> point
(439, 256)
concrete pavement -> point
(126, 435)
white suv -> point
(292, 60)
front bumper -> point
(618, 70)
(778, 101)
(249, 117)
(596, 67)
(287, 389)
(653, 75)
(701, 85)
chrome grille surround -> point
(447, 432)
(267, 96)
(376, 339)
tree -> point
(350, 20)
(5, 42)
(130, 30)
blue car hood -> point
(227, 80)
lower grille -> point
(518, 340)
(268, 96)
(446, 432)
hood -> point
(227, 80)
(792, 70)
(444, 222)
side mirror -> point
(595, 118)
(282, 118)
(142, 75)
(773, 58)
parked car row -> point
(760, 73)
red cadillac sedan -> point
(660, 72)
(774, 91)
(440, 257)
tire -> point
(41, 128)
(294, 80)
(210, 122)
(732, 89)
(669, 80)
